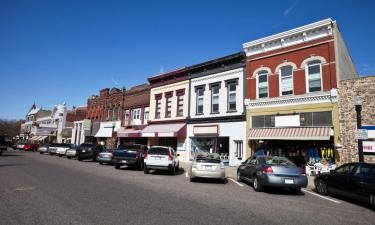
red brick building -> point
(291, 94)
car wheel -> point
(94, 159)
(68, 157)
(79, 159)
(321, 187)
(60, 155)
(172, 170)
(239, 178)
(145, 169)
(295, 190)
(100, 163)
(41, 153)
(256, 185)
(372, 200)
(192, 179)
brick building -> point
(348, 90)
(292, 80)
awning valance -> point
(290, 133)
(165, 130)
(106, 128)
(122, 132)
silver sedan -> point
(207, 165)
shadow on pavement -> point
(181, 171)
(11, 164)
(209, 181)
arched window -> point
(262, 83)
(313, 72)
(286, 80)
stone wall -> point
(348, 89)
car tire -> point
(256, 185)
(79, 159)
(172, 170)
(68, 157)
(101, 163)
(60, 155)
(239, 178)
(321, 187)
(145, 169)
(295, 190)
(192, 179)
(178, 166)
(372, 201)
(141, 166)
(41, 153)
(117, 166)
(94, 159)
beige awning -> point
(290, 133)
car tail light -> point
(303, 171)
(170, 157)
(267, 169)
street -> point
(43, 189)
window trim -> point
(167, 101)
(178, 105)
(280, 79)
(307, 75)
(197, 89)
(257, 83)
(227, 85)
(212, 86)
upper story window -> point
(114, 114)
(127, 117)
(199, 92)
(158, 106)
(262, 79)
(215, 88)
(136, 114)
(286, 80)
(168, 104)
(232, 94)
(180, 102)
(314, 76)
(146, 116)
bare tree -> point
(9, 128)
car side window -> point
(345, 169)
(253, 162)
(365, 171)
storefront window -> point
(316, 119)
(263, 121)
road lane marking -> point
(321, 196)
(236, 182)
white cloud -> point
(290, 8)
(115, 81)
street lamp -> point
(358, 109)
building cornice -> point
(288, 38)
(311, 98)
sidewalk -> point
(231, 172)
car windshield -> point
(158, 151)
(276, 161)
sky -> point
(60, 51)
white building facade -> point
(217, 120)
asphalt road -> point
(43, 189)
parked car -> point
(207, 165)
(20, 145)
(130, 155)
(52, 149)
(88, 151)
(105, 156)
(352, 180)
(71, 152)
(30, 147)
(161, 158)
(61, 148)
(272, 171)
(44, 148)
(3, 145)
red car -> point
(30, 147)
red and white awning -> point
(291, 133)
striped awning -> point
(290, 133)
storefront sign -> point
(206, 130)
(287, 121)
(362, 134)
(369, 146)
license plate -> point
(289, 181)
(83, 150)
(123, 161)
(157, 158)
